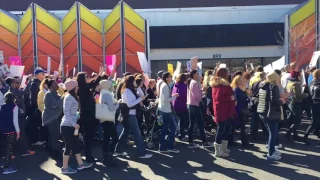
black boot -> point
(108, 160)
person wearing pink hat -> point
(70, 128)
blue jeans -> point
(196, 115)
(272, 127)
(132, 125)
(223, 131)
(168, 121)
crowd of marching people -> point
(81, 109)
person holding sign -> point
(194, 96)
(87, 108)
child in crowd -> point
(9, 128)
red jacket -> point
(224, 107)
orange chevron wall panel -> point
(134, 33)
(48, 38)
(70, 40)
(112, 35)
(91, 40)
(8, 35)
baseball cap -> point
(39, 71)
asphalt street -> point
(298, 162)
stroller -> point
(209, 124)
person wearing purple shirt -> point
(180, 105)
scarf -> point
(104, 91)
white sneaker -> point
(277, 152)
(279, 146)
(115, 154)
(273, 157)
(39, 143)
(147, 156)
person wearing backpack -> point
(296, 96)
(315, 95)
(269, 109)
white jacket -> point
(165, 99)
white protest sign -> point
(314, 59)
(16, 71)
(189, 66)
(199, 64)
(74, 72)
(303, 79)
(4, 70)
(252, 67)
(178, 70)
(222, 65)
(49, 65)
(144, 62)
(194, 62)
(280, 63)
(23, 81)
(1, 57)
(268, 68)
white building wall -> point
(205, 15)
(226, 52)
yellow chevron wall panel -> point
(134, 28)
(8, 35)
(70, 39)
(48, 38)
(112, 35)
(91, 40)
(26, 40)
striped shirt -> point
(70, 108)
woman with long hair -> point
(109, 128)
(269, 109)
(239, 87)
(51, 117)
(180, 105)
(87, 109)
(194, 96)
(165, 109)
(224, 110)
(131, 102)
(70, 129)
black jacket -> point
(315, 92)
(86, 100)
(255, 96)
(34, 90)
(269, 101)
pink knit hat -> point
(70, 84)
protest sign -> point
(222, 65)
(280, 63)
(15, 60)
(24, 81)
(144, 63)
(16, 71)
(252, 67)
(170, 68)
(199, 65)
(189, 66)
(314, 59)
(268, 68)
(1, 57)
(110, 63)
(194, 62)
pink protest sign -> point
(110, 62)
(15, 60)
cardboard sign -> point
(110, 63)
(146, 79)
(4, 70)
(314, 59)
(280, 63)
(1, 57)
(194, 62)
(49, 65)
(178, 70)
(15, 60)
(16, 71)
